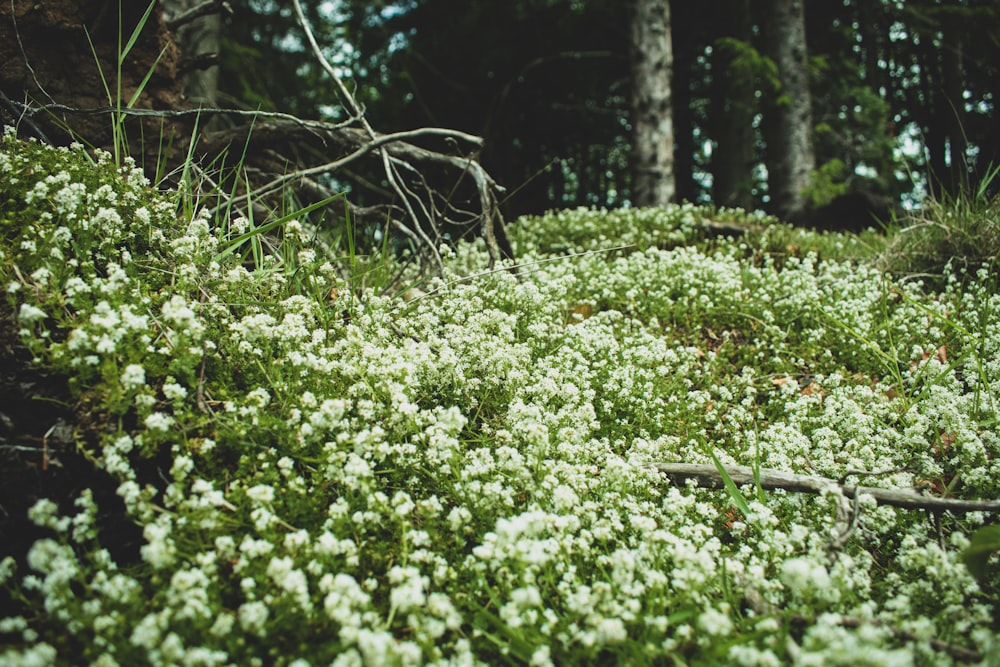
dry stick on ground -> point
(709, 476)
(394, 150)
(756, 602)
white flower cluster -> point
(466, 479)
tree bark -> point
(652, 122)
(197, 26)
(67, 52)
(790, 156)
(686, 47)
(872, 27)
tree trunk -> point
(652, 122)
(199, 40)
(932, 116)
(790, 156)
(732, 111)
(873, 28)
(67, 53)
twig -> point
(848, 517)
(31, 110)
(21, 448)
(17, 112)
(197, 63)
(352, 106)
(756, 602)
(366, 148)
(956, 652)
(708, 476)
(24, 54)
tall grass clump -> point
(115, 97)
(326, 475)
(960, 231)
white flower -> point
(804, 576)
(133, 377)
(261, 493)
(253, 617)
(542, 657)
(29, 314)
(714, 622)
(159, 421)
(159, 550)
(173, 391)
(611, 631)
(408, 588)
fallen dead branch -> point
(708, 475)
(426, 184)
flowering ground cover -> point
(317, 475)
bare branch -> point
(352, 106)
(423, 194)
(198, 62)
(709, 476)
(17, 113)
(31, 110)
(756, 602)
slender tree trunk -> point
(933, 118)
(652, 121)
(732, 111)
(199, 41)
(872, 25)
(790, 155)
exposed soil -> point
(40, 426)
(55, 52)
(46, 57)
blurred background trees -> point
(822, 112)
(778, 104)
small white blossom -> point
(29, 314)
(133, 377)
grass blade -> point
(731, 488)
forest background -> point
(827, 113)
(886, 100)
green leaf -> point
(135, 33)
(985, 542)
(734, 491)
(263, 229)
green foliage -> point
(854, 134)
(827, 183)
(985, 543)
(546, 82)
(119, 137)
(747, 63)
(265, 63)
